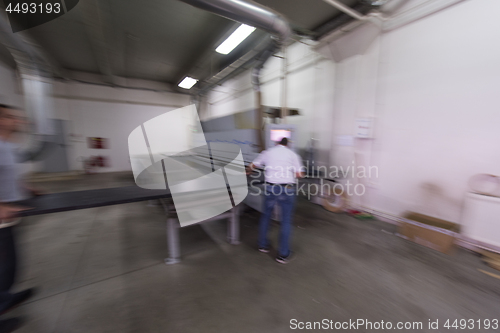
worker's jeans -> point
(285, 197)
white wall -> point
(436, 109)
(96, 111)
(100, 111)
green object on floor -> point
(364, 216)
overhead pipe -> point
(249, 13)
(418, 12)
(341, 27)
(245, 61)
(261, 60)
(284, 87)
(37, 87)
(346, 9)
(391, 22)
(258, 16)
(374, 17)
(341, 20)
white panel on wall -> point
(363, 128)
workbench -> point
(68, 201)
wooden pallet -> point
(491, 259)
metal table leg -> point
(173, 226)
(174, 251)
(233, 228)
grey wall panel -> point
(57, 159)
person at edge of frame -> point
(11, 190)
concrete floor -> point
(102, 270)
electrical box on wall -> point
(364, 128)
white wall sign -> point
(363, 128)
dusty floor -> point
(102, 270)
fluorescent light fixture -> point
(235, 39)
(188, 82)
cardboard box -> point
(429, 231)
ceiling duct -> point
(243, 63)
(375, 3)
(249, 13)
(252, 14)
(258, 16)
(340, 20)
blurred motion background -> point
(408, 87)
(427, 83)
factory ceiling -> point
(158, 40)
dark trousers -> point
(285, 197)
(7, 265)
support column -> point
(233, 230)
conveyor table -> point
(67, 201)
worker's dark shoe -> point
(18, 298)
(10, 325)
(284, 260)
(264, 249)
